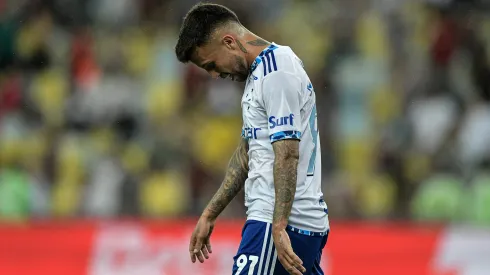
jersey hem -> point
(327, 228)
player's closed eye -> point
(224, 75)
(209, 66)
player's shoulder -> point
(277, 60)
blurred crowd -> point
(98, 118)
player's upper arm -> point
(281, 95)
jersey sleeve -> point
(281, 95)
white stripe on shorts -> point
(263, 247)
(268, 257)
(274, 259)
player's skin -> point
(229, 54)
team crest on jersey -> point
(310, 88)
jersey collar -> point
(258, 59)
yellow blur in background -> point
(99, 119)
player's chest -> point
(254, 114)
(253, 110)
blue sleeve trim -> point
(285, 135)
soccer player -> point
(278, 160)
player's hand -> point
(289, 260)
(200, 246)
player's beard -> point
(241, 70)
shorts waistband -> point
(307, 232)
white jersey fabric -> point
(279, 103)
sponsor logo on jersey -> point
(250, 132)
(281, 121)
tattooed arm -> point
(235, 177)
(285, 173)
(200, 244)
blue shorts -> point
(257, 255)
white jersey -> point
(279, 103)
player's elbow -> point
(291, 156)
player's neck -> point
(254, 46)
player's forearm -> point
(235, 177)
(285, 175)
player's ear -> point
(229, 42)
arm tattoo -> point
(285, 175)
(240, 45)
(258, 42)
(235, 177)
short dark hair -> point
(198, 25)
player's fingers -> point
(288, 249)
(192, 242)
(300, 268)
(200, 257)
(208, 246)
(205, 252)
(298, 265)
(294, 271)
(285, 260)
(287, 263)
(296, 260)
(191, 248)
(193, 256)
(293, 256)
(198, 245)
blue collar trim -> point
(258, 59)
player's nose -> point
(214, 74)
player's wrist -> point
(278, 226)
(208, 216)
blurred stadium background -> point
(109, 148)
